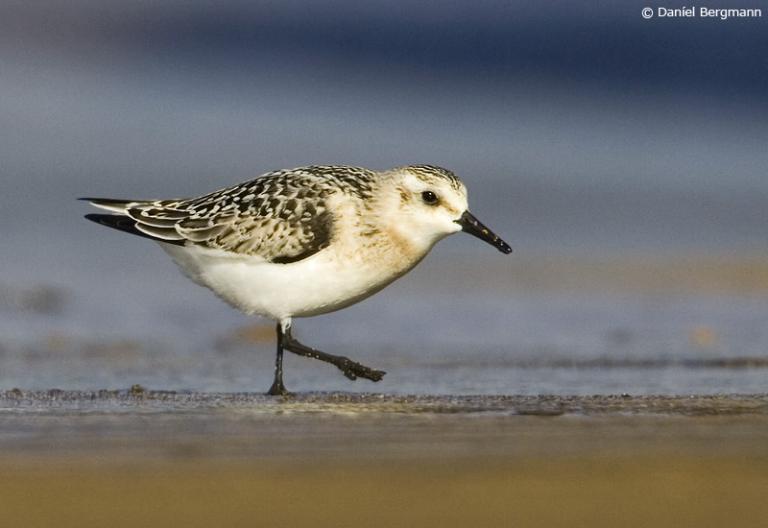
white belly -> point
(319, 284)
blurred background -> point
(623, 159)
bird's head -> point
(431, 203)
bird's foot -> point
(354, 370)
(278, 389)
(351, 369)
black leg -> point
(277, 388)
(351, 369)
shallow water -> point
(430, 337)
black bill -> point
(473, 226)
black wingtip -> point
(100, 219)
(123, 223)
(127, 225)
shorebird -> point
(305, 241)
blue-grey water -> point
(165, 333)
(580, 132)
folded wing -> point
(280, 217)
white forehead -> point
(452, 193)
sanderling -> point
(306, 241)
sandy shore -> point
(595, 490)
(137, 457)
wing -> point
(281, 217)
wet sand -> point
(154, 458)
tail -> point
(121, 221)
(111, 204)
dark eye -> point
(429, 197)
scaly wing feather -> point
(281, 216)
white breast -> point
(319, 284)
